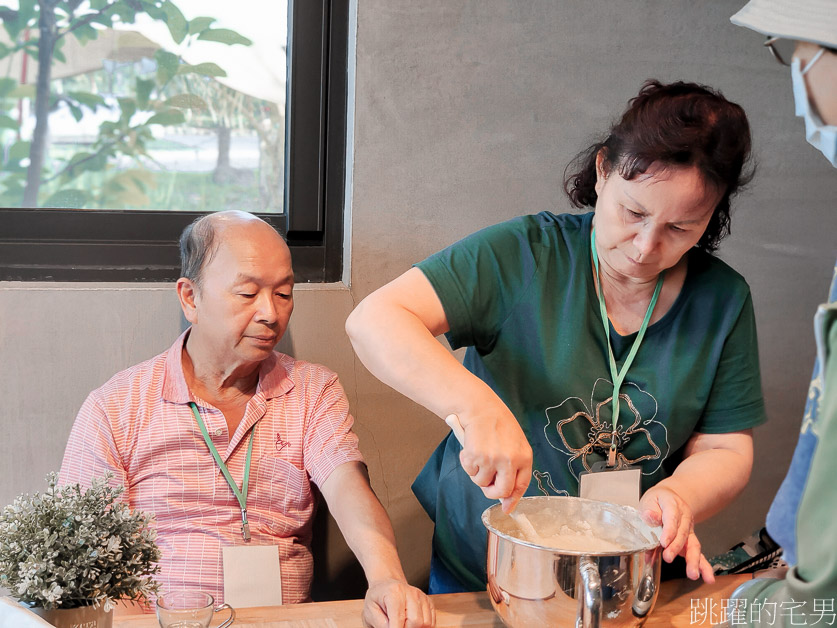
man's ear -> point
(187, 293)
(601, 170)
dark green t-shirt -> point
(520, 295)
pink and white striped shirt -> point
(139, 426)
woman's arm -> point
(393, 332)
(715, 469)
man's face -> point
(820, 81)
(245, 298)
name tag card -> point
(252, 576)
(617, 486)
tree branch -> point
(87, 19)
(73, 165)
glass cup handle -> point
(230, 619)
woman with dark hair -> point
(607, 340)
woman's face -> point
(645, 226)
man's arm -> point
(390, 601)
(91, 450)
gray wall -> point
(466, 113)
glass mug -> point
(189, 609)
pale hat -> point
(807, 20)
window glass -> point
(149, 104)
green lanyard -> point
(617, 375)
(240, 495)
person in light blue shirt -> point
(801, 518)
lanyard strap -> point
(240, 495)
(617, 375)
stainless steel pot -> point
(533, 585)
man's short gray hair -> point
(200, 240)
(198, 243)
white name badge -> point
(252, 576)
(617, 486)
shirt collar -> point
(273, 377)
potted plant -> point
(69, 554)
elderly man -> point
(220, 438)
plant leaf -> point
(187, 101)
(167, 65)
(78, 114)
(19, 150)
(128, 107)
(204, 69)
(167, 118)
(144, 87)
(87, 99)
(178, 26)
(6, 86)
(85, 33)
(200, 24)
(23, 91)
(69, 199)
(7, 123)
(224, 36)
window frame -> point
(65, 245)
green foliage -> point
(200, 24)
(156, 99)
(70, 547)
(7, 122)
(224, 36)
(91, 101)
(186, 101)
(73, 199)
(167, 118)
(204, 69)
(167, 65)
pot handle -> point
(591, 603)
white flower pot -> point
(81, 617)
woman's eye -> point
(283, 296)
(246, 295)
(633, 213)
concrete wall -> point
(466, 113)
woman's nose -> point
(645, 241)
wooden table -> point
(673, 609)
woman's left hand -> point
(662, 506)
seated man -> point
(220, 437)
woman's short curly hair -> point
(678, 124)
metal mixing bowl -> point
(533, 585)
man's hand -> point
(395, 604)
(662, 506)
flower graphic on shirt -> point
(545, 484)
(577, 429)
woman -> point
(535, 394)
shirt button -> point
(218, 432)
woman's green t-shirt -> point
(520, 295)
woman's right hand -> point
(393, 332)
(496, 455)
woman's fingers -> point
(496, 456)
